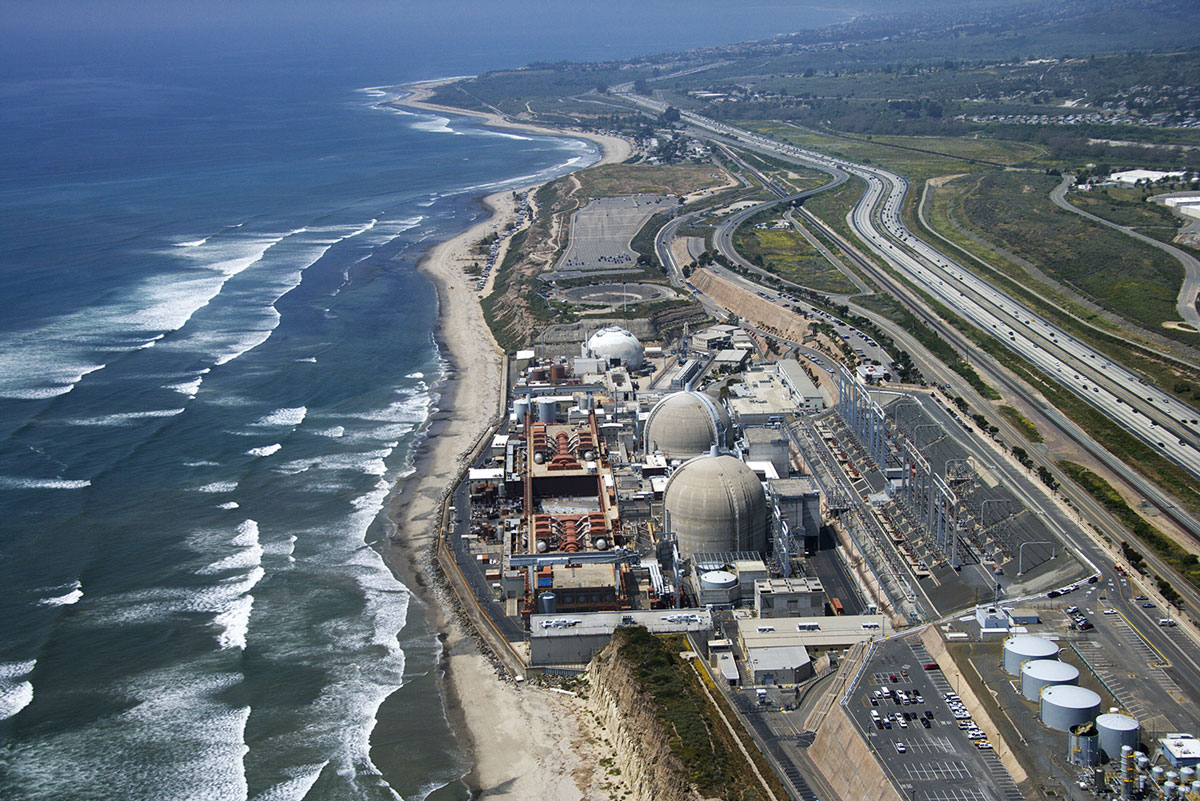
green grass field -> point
(613, 180)
(1132, 279)
(788, 254)
(914, 157)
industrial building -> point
(615, 346)
(816, 634)
(788, 597)
(562, 639)
(778, 665)
(770, 392)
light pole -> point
(1021, 552)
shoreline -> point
(519, 741)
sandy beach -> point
(525, 742)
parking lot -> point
(934, 760)
(601, 232)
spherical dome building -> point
(716, 503)
(1065, 705)
(686, 424)
(615, 344)
(1039, 673)
(1020, 648)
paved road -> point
(1188, 292)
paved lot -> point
(939, 763)
(601, 231)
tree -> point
(641, 87)
(671, 114)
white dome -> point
(686, 424)
(615, 343)
(716, 503)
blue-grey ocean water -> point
(216, 355)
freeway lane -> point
(1186, 306)
(1147, 412)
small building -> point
(778, 665)
(789, 597)
(1180, 750)
(872, 373)
(817, 634)
(991, 620)
(797, 502)
(730, 359)
(727, 667)
(1022, 616)
(572, 639)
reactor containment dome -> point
(1020, 648)
(1065, 705)
(716, 504)
(686, 424)
(615, 344)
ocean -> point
(216, 358)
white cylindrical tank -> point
(1115, 731)
(1187, 776)
(1021, 648)
(1065, 705)
(1196, 789)
(520, 409)
(547, 410)
(718, 580)
(1039, 673)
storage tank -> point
(1116, 731)
(547, 603)
(718, 587)
(520, 409)
(1083, 745)
(1039, 673)
(558, 372)
(547, 410)
(1065, 705)
(1021, 648)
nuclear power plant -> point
(793, 521)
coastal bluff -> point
(641, 741)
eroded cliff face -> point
(641, 749)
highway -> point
(1117, 392)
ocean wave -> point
(248, 555)
(228, 505)
(218, 486)
(72, 596)
(334, 433)
(309, 359)
(434, 125)
(188, 388)
(265, 450)
(16, 691)
(52, 358)
(234, 623)
(292, 416)
(15, 482)
(124, 419)
(295, 788)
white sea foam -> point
(202, 463)
(16, 691)
(16, 482)
(195, 243)
(415, 375)
(335, 432)
(295, 788)
(228, 505)
(283, 417)
(248, 555)
(218, 486)
(435, 125)
(72, 596)
(52, 357)
(234, 623)
(189, 388)
(310, 359)
(125, 419)
(265, 450)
